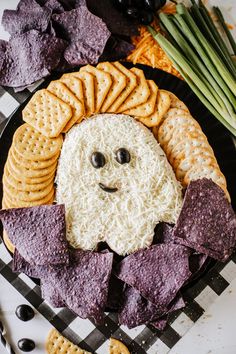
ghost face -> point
(116, 184)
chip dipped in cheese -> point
(116, 184)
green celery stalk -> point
(182, 64)
(196, 62)
(225, 74)
(225, 27)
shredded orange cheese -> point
(147, 51)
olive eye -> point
(97, 159)
(122, 156)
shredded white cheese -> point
(148, 191)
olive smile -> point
(107, 189)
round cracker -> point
(175, 102)
(27, 196)
(22, 178)
(117, 347)
(7, 242)
(27, 172)
(22, 186)
(32, 145)
(33, 165)
(15, 202)
(208, 171)
(182, 156)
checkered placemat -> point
(143, 339)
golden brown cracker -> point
(61, 91)
(103, 82)
(139, 95)
(146, 109)
(161, 107)
(34, 165)
(74, 84)
(175, 102)
(22, 186)
(88, 83)
(32, 145)
(7, 242)
(47, 113)
(15, 202)
(117, 347)
(57, 344)
(131, 83)
(118, 84)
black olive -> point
(26, 345)
(154, 5)
(24, 312)
(121, 4)
(146, 17)
(97, 159)
(122, 156)
(138, 3)
(132, 12)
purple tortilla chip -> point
(157, 272)
(30, 57)
(83, 284)
(39, 233)
(164, 233)
(207, 222)
(87, 34)
(50, 293)
(116, 49)
(20, 265)
(3, 48)
(161, 323)
(115, 291)
(29, 15)
(136, 310)
(55, 6)
(116, 22)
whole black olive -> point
(154, 5)
(122, 156)
(121, 4)
(97, 159)
(138, 3)
(146, 17)
(24, 312)
(26, 345)
(132, 12)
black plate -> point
(219, 137)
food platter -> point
(219, 138)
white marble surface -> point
(213, 333)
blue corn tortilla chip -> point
(115, 291)
(55, 6)
(83, 284)
(116, 22)
(50, 294)
(29, 15)
(19, 265)
(29, 57)
(86, 33)
(3, 48)
(207, 222)
(163, 233)
(38, 233)
(161, 323)
(116, 48)
(157, 272)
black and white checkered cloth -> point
(140, 340)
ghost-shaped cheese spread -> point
(116, 184)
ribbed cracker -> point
(22, 186)
(32, 145)
(147, 108)
(139, 95)
(27, 172)
(103, 82)
(161, 107)
(47, 113)
(7, 242)
(131, 83)
(175, 102)
(26, 195)
(74, 84)
(118, 84)
(209, 171)
(29, 180)
(57, 344)
(33, 165)
(15, 202)
(117, 347)
(61, 91)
